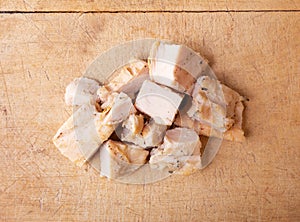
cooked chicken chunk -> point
(153, 133)
(218, 93)
(131, 130)
(134, 85)
(235, 133)
(135, 132)
(80, 136)
(122, 107)
(103, 94)
(209, 113)
(179, 144)
(191, 163)
(214, 104)
(176, 66)
(159, 102)
(118, 159)
(105, 98)
(134, 123)
(81, 91)
(128, 77)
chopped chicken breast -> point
(183, 120)
(135, 132)
(235, 133)
(134, 123)
(105, 98)
(127, 79)
(153, 133)
(122, 107)
(214, 104)
(180, 142)
(176, 66)
(159, 102)
(178, 145)
(117, 123)
(131, 130)
(209, 113)
(218, 93)
(81, 91)
(191, 164)
(80, 136)
(103, 94)
(118, 159)
(125, 75)
(134, 85)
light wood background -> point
(252, 46)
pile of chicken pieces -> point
(149, 113)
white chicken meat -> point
(118, 159)
(160, 103)
(175, 66)
(179, 144)
(149, 135)
(80, 136)
(81, 91)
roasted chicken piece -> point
(129, 78)
(235, 133)
(80, 136)
(160, 103)
(216, 110)
(153, 133)
(178, 146)
(81, 91)
(122, 107)
(145, 135)
(175, 66)
(118, 159)
(131, 130)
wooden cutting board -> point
(253, 48)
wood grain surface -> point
(147, 5)
(256, 53)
